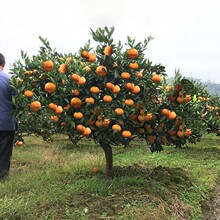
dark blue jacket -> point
(7, 120)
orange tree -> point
(107, 94)
(210, 113)
(181, 97)
(111, 94)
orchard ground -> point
(58, 181)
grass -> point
(55, 181)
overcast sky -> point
(186, 32)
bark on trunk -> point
(108, 158)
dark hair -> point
(2, 59)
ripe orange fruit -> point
(180, 99)
(28, 94)
(76, 102)
(180, 134)
(106, 122)
(108, 50)
(140, 118)
(52, 106)
(156, 78)
(101, 70)
(35, 106)
(75, 77)
(54, 118)
(187, 98)
(181, 93)
(132, 53)
(129, 86)
(80, 128)
(95, 170)
(136, 89)
(99, 118)
(48, 65)
(107, 98)
(126, 134)
(90, 100)
(87, 131)
(133, 117)
(109, 85)
(165, 111)
(75, 92)
(188, 132)
(91, 58)
(116, 89)
(63, 68)
(129, 102)
(58, 110)
(67, 107)
(142, 111)
(98, 124)
(134, 65)
(81, 80)
(180, 127)
(148, 116)
(85, 54)
(94, 90)
(19, 143)
(172, 115)
(125, 75)
(139, 74)
(116, 127)
(78, 115)
(50, 87)
(119, 111)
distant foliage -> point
(211, 87)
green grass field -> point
(55, 181)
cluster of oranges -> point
(76, 102)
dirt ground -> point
(212, 211)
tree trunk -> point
(108, 159)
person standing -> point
(8, 124)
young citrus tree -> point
(108, 94)
(111, 94)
